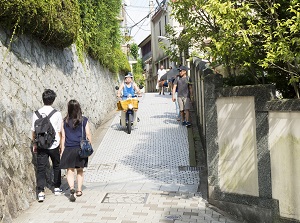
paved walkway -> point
(135, 178)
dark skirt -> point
(71, 159)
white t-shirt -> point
(160, 73)
(56, 121)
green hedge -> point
(54, 22)
(101, 32)
(91, 24)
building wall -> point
(158, 28)
(146, 53)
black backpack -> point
(44, 131)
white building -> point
(160, 18)
(146, 55)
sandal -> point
(78, 193)
(72, 197)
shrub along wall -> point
(54, 22)
(92, 25)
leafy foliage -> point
(91, 24)
(134, 50)
(239, 80)
(101, 32)
(257, 38)
(138, 72)
(137, 68)
(178, 46)
(54, 22)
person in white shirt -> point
(53, 152)
(160, 73)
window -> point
(159, 24)
(165, 22)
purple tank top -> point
(74, 136)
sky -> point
(136, 10)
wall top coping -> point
(283, 105)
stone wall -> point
(247, 193)
(284, 146)
(252, 146)
(27, 68)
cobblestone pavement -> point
(135, 178)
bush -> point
(238, 80)
(91, 24)
(275, 77)
(53, 22)
(101, 33)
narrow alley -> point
(135, 178)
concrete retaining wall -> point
(26, 69)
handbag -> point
(161, 83)
(86, 148)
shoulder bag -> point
(86, 148)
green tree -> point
(218, 30)
(138, 72)
(282, 41)
(252, 37)
(134, 50)
(137, 68)
(178, 46)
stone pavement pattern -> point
(135, 178)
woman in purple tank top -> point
(74, 128)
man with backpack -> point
(184, 95)
(46, 135)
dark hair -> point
(74, 116)
(48, 97)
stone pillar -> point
(212, 82)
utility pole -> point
(152, 31)
(151, 6)
(124, 19)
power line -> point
(139, 28)
(147, 16)
(130, 28)
(135, 24)
(140, 7)
(129, 16)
